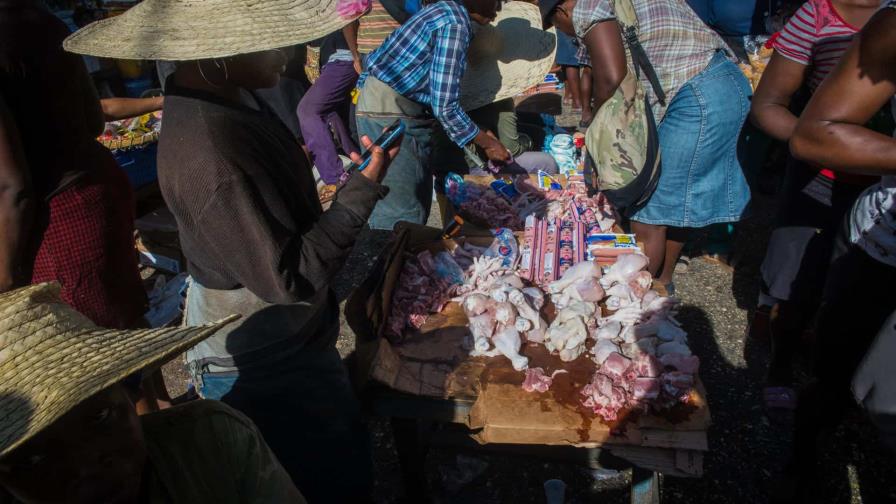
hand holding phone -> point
(387, 140)
(379, 153)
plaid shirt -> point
(425, 59)
(678, 44)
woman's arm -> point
(830, 131)
(770, 111)
(604, 43)
(123, 108)
(15, 201)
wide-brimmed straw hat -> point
(508, 56)
(52, 358)
(186, 30)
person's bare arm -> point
(15, 201)
(350, 32)
(123, 108)
(604, 43)
(830, 131)
(770, 110)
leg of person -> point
(325, 96)
(586, 84)
(654, 244)
(338, 120)
(675, 240)
(409, 177)
(852, 313)
(874, 384)
(573, 82)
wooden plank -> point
(680, 463)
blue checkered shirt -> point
(424, 60)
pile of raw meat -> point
(643, 360)
(641, 351)
(426, 284)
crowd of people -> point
(245, 132)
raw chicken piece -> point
(588, 289)
(646, 388)
(684, 363)
(536, 380)
(579, 272)
(518, 299)
(522, 325)
(567, 337)
(603, 397)
(505, 313)
(535, 297)
(609, 331)
(673, 347)
(508, 342)
(643, 345)
(678, 385)
(646, 365)
(588, 312)
(537, 334)
(624, 269)
(482, 327)
(602, 349)
(475, 304)
(616, 365)
(664, 328)
(640, 283)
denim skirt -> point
(702, 181)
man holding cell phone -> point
(415, 76)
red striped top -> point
(815, 36)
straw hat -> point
(186, 30)
(508, 56)
(52, 358)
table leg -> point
(645, 486)
(412, 450)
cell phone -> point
(386, 141)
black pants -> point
(858, 299)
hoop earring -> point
(224, 64)
(210, 83)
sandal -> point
(326, 193)
(682, 265)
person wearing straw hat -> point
(416, 76)
(69, 431)
(256, 240)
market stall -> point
(545, 335)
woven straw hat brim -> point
(507, 57)
(186, 30)
(52, 358)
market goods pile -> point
(642, 357)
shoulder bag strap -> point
(628, 23)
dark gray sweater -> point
(246, 204)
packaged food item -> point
(548, 267)
(504, 246)
(609, 245)
(527, 250)
(565, 247)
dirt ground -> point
(746, 449)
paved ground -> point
(745, 449)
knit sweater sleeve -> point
(276, 264)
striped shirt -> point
(815, 36)
(678, 44)
(375, 27)
(425, 59)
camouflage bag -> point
(622, 143)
